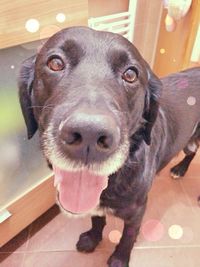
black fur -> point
(25, 85)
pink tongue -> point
(79, 191)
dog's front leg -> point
(89, 240)
(121, 255)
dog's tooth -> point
(58, 187)
(175, 176)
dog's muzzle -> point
(89, 139)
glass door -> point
(26, 184)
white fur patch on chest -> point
(192, 147)
(97, 211)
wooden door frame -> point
(27, 208)
(194, 28)
(177, 46)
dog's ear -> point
(25, 83)
(152, 97)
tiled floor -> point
(170, 233)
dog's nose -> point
(89, 137)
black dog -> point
(100, 113)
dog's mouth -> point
(78, 191)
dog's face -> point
(87, 92)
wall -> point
(98, 8)
(147, 21)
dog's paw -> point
(177, 172)
(87, 242)
(113, 261)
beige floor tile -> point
(59, 233)
(192, 189)
(168, 257)
(11, 260)
(66, 259)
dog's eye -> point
(55, 64)
(130, 75)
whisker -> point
(47, 106)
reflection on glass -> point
(21, 162)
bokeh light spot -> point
(191, 100)
(114, 236)
(152, 230)
(60, 17)
(175, 231)
(162, 51)
(12, 67)
(32, 25)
